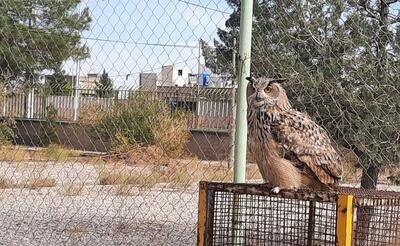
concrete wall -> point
(166, 76)
(37, 134)
(148, 81)
(205, 145)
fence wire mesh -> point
(112, 111)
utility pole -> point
(233, 105)
(246, 15)
(239, 171)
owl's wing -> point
(310, 144)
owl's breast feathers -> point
(305, 141)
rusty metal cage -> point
(249, 214)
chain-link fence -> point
(112, 111)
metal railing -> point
(207, 109)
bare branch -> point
(372, 13)
(390, 2)
(395, 20)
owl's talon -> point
(275, 190)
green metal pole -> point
(239, 168)
(246, 16)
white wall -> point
(183, 79)
(170, 76)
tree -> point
(58, 84)
(37, 35)
(342, 58)
(104, 87)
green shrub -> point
(59, 153)
(52, 124)
(6, 132)
(143, 120)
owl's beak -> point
(258, 97)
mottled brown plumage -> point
(290, 149)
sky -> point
(133, 36)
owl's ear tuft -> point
(279, 81)
(250, 79)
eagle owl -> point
(290, 149)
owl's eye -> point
(268, 89)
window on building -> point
(180, 72)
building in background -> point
(172, 75)
(86, 86)
(148, 81)
(89, 81)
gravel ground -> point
(96, 216)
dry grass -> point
(116, 177)
(52, 152)
(351, 173)
(91, 114)
(182, 179)
(252, 172)
(122, 228)
(126, 177)
(124, 190)
(40, 182)
(147, 155)
(183, 175)
(6, 183)
(60, 153)
(172, 136)
(179, 175)
(75, 233)
(74, 190)
(127, 190)
(10, 153)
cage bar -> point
(202, 214)
(344, 219)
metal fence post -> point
(30, 104)
(76, 91)
(4, 102)
(246, 15)
(344, 223)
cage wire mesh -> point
(250, 214)
(268, 219)
(112, 111)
